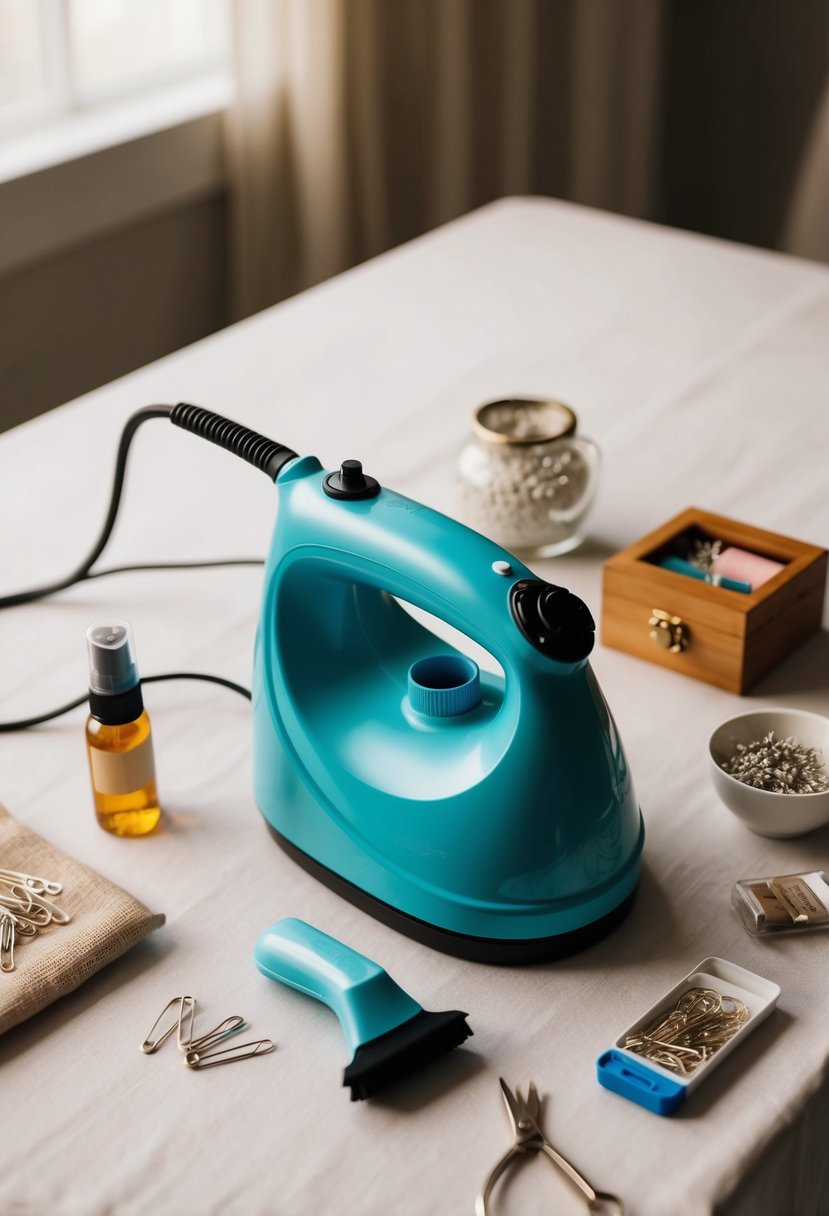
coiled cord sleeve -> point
(263, 453)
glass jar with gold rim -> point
(525, 478)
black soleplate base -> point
(503, 951)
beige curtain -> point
(807, 224)
(361, 123)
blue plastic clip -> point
(639, 1083)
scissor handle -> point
(495, 1174)
(604, 1197)
(570, 1170)
(592, 1196)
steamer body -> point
(509, 832)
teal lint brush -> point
(390, 1035)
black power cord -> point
(25, 723)
(256, 449)
(82, 572)
(263, 453)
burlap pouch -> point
(105, 922)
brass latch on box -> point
(668, 631)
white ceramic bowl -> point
(766, 813)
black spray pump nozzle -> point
(114, 687)
(112, 665)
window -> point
(109, 111)
(64, 57)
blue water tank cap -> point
(444, 685)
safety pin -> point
(22, 925)
(21, 892)
(187, 1042)
(224, 1030)
(261, 1047)
(28, 909)
(151, 1045)
(26, 900)
(184, 1043)
(55, 913)
(6, 942)
(40, 886)
(11, 888)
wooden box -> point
(724, 637)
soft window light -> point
(116, 44)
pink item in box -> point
(748, 567)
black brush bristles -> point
(404, 1050)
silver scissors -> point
(529, 1138)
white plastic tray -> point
(638, 1078)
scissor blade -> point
(513, 1105)
(533, 1103)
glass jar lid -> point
(523, 420)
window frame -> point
(67, 176)
(62, 94)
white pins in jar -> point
(525, 478)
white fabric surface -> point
(701, 369)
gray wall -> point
(98, 310)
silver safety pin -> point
(7, 931)
(27, 908)
(56, 914)
(40, 886)
(188, 1003)
(242, 1051)
(224, 1030)
(22, 924)
(151, 1045)
(187, 1040)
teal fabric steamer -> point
(493, 818)
(490, 817)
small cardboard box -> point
(723, 637)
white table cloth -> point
(702, 370)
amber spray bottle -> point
(118, 734)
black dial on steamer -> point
(554, 620)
